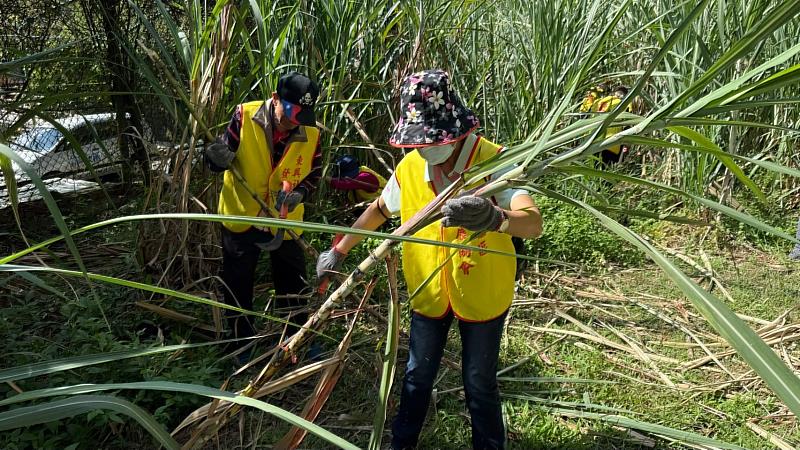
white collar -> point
(463, 158)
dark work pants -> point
(480, 342)
(519, 248)
(239, 259)
(609, 158)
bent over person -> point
(273, 144)
(361, 183)
(474, 288)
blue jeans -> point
(480, 342)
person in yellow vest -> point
(615, 154)
(474, 288)
(361, 183)
(269, 142)
(592, 95)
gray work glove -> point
(292, 199)
(473, 213)
(329, 261)
(219, 156)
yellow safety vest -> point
(478, 286)
(254, 161)
(588, 101)
(363, 196)
(605, 105)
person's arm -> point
(218, 155)
(231, 136)
(330, 261)
(524, 218)
(482, 214)
(364, 180)
(372, 218)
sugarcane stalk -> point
(389, 356)
(284, 355)
(417, 222)
(329, 378)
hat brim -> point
(306, 117)
(433, 126)
(397, 141)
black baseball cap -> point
(299, 90)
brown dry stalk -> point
(14, 386)
(770, 339)
(641, 354)
(604, 341)
(318, 320)
(176, 316)
(771, 437)
(272, 387)
(328, 381)
(688, 332)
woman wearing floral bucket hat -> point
(475, 288)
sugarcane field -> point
(413, 224)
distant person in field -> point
(592, 95)
(615, 154)
(270, 142)
(795, 253)
(360, 183)
(473, 288)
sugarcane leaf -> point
(169, 386)
(748, 345)
(770, 22)
(753, 104)
(734, 90)
(142, 286)
(10, 180)
(261, 221)
(648, 427)
(787, 77)
(702, 121)
(737, 215)
(663, 51)
(694, 136)
(660, 143)
(55, 213)
(38, 282)
(26, 371)
(389, 359)
(82, 404)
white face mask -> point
(437, 154)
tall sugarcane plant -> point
(520, 65)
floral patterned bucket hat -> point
(431, 113)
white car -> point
(51, 153)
